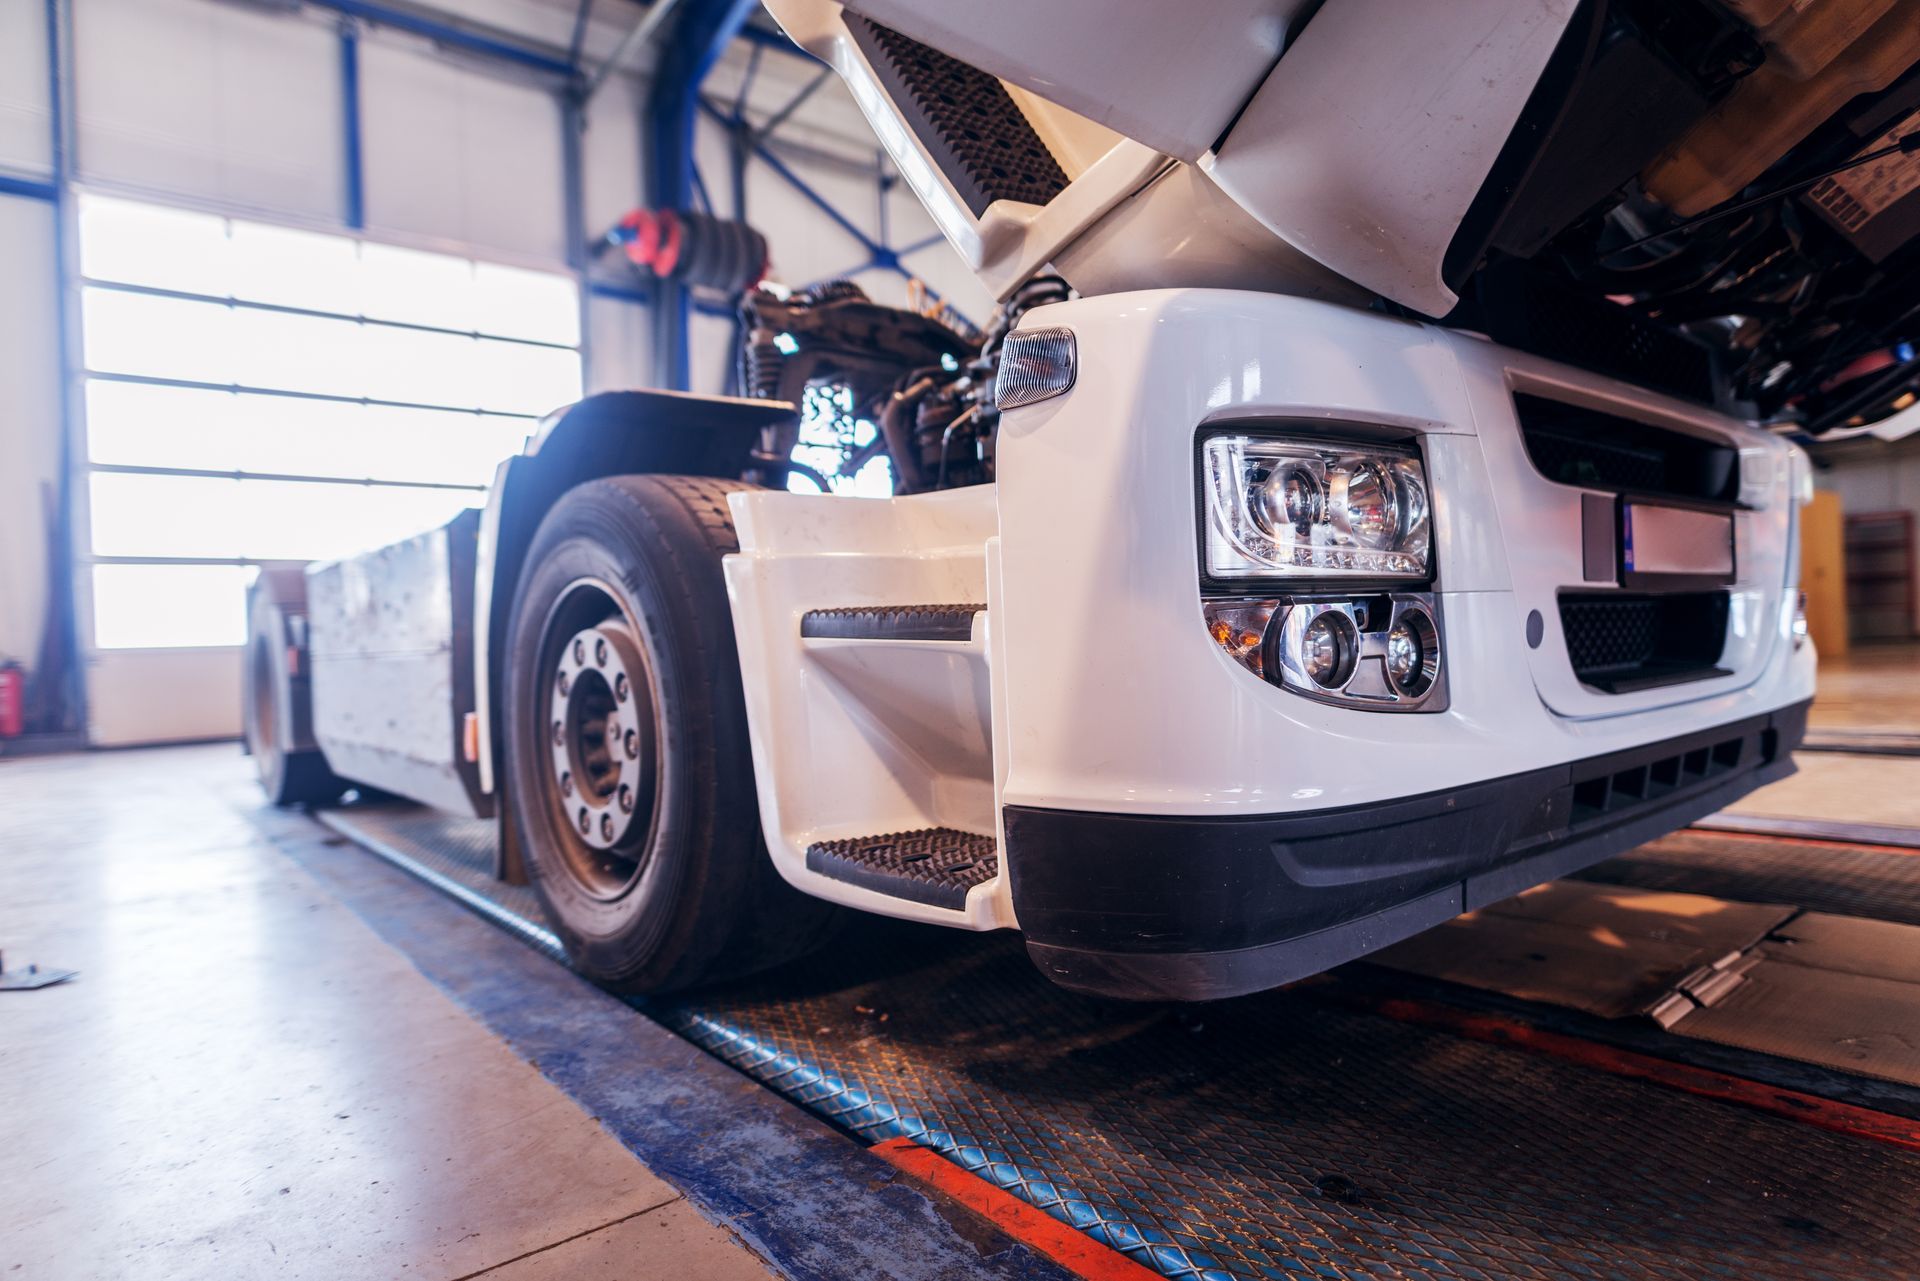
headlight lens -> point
(1326, 651)
(1292, 508)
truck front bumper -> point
(1163, 907)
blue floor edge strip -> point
(795, 1190)
(858, 1107)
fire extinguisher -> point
(13, 700)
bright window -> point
(256, 393)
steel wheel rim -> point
(601, 727)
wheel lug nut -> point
(606, 827)
(599, 653)
(566, 785)
(632, 745)
(559, 734)
(564, 684)
(626, 799)
(585, 826)
(579, 650)
(620, 687)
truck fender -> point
(616, 433)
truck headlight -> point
(1288, 508)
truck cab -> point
(1376, 495)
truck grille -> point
(1620, 642)
(1584, 447)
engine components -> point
(1783, 102)
(923, 382)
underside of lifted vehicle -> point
(1375, 494)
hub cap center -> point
(601, 736)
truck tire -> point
(276, 703)
(630, 776)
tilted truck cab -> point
(1313, 547)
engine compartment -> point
(913, 387)
(1714, 199)
(1683, 203)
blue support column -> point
(59, 699)
(573, 175)
(698, 37)
(354, 178)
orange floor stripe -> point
(1072, 1249)
(1808, 1109)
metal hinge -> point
(1703, 988)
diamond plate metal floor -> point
(1281, 1136)
(1821, 876)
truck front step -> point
(892, 622)
(934, 865)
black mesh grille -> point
(1584, 447)
(1604, 634)
(971, 125)
(1595, 465)
(1619, 642)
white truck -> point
(1373, 499)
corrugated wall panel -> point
(459, 155)
(210, 102)
(26, 143)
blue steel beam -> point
(30, 188)
(62, 647)
(354, 179)
(574, 209)
(581, 16)
(497, 48)
(699, 35)
(880, 257)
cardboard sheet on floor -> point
(1869, 791)
(1839, 991)
(1604, 949)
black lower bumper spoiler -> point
(1153, 907)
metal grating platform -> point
(1851, 880)
(1282, 1136)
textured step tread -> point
(892, 622)
(934, 865)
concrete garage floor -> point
(1874, 689)
(246, 1081)
(1873, 695)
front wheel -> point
(631, 779)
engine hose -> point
(900, 440)
(946, 440)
